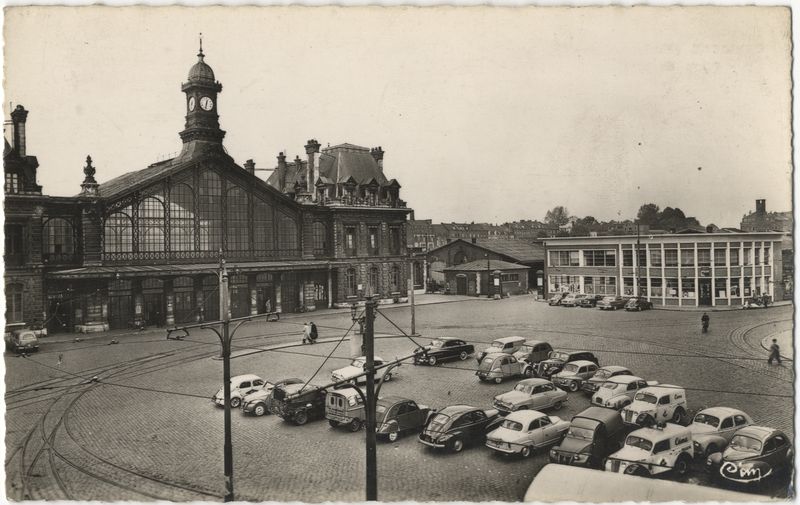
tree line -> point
(649, 214)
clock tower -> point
(202, 131)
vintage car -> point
(592, 435)
(453, 427)
(525, 431)
(345, 407)
(590, 301)
(651, 451)
(556, 298)
(241, 386)
(573, 374)
(656, 404)
(572, 300)
(507, 345)
(357, 367)
(618, 392)
(533, 351)
(443, 349)
(298, 403)
(257, 402)
(22, 341)
(753, 454)
(611, 303)
(713, 428)
(638, 304)
(558, 359)
(534, 394)
(498, 366)
(603, 374)
(395, 415)
(757, 302)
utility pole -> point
(638, 264)
(369, 344)
(225, 317)
(411, 296)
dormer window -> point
(12, 183)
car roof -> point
(602, 414)
(247, 376)
(447, 339)
(497, 355)
(536, 381)
(346, 392)
(669, 430)
(297, 388)
(457, 409)
(375, 358)
(662, 389)
(535, 342)
(512, 338)
(614, 368)
(624, 379)
(758, 432)
(525, 416)
(722, 412)
(581, 362)
(390, 401)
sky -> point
(486, 114)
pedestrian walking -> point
(313, 332)
(307, 333)
(704, 321)
(774, 352)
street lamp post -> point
(488, 277)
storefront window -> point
(747, 291)
(655, 257)
(719, 257)
(656, 289)
(565, 283)
(720, 288)
(627, 286)
(704, 257)
(757, 287)
(735, 288)
(687, 287)
(672, 288)
(687, 258)
(604, 285)
(671, 257)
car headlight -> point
(553, 453)
(581, 458)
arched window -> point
(118, 232)
(210, 210)
(181, 218)
(236, 225)
(57, 239)
(263, 227)
(14, 303)
(320, 238)
(350, 281)
(151, 224)
(374, 280)
(287, 234)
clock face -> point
(191, 103)
(206, 103)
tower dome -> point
(200, 71)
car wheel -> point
(301, 417)
(682, 465)
(457, 445)
(573, 386)
(235, 402)
(354, 425)
(557, 406)
(393, 436)
(463, 355)
(387, 378)
(260, 410)
(677, 417)
(498, 380)
(333, 423)
(635, 469)
(648, 422)
(525, 452)
(432, 360)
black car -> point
(442, 349)
(590, 301)
(558, 359)
(593, 435)
(638, 304)
(297, 403)
(453, 427)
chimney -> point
(312, 147)
(377, 153)
(89, 185)
(761, 206)
(281, 171)
(710, 229)
(18, 118)
(474, 240)
(250, 166)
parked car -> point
(299, 403)
(558, 359)
(590, 301)
(508, 345)
(618, 392)
(753, 454)
(241, 386)
(638, 304)
(656, 404)
(757, 302)
(572, 300)
(611, 303)
(257, 402)
(592, 435)
(22, 340)
(498, 366)
(395, 415)
(442, 349)
(556, 299)
(525, 431)
(455, 426)
(573, 374)
(651, 451)
(358, 366)
(345, 407)
(712, 429)
(534, 394)
(533, 351)
(603, 374)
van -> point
(507, 345)
(650, 451)
(345, 407)
(592, 435)
(656, 404)
(23, 340)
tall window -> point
(746, 257)
(15, 244)
(656, 288)
(757, 253)
(262, 226)
(641, 255)
(151, 224)
(672, 288)
(287, 234)
(627, 286)
(627, 258)
(746, 289)
(670, 257)
(237, 227)
(14, 300)
(734, 256)
(118, 232)
(374, 280)
(394, 240)
(704, 257)
(350, 240)
(181, 218)
(720, 287)
(655, 257)
(320, 235)
(766, 254)
(350, 281)
(12, 183)
(374, 240)
(687, 257)
(395, 278)
(719, 257)
(210, 210)
(57, 239)
(687, 285)
(735, 287)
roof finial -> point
(200, 54)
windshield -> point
(707, 419)
(498, 344)
(559, 355)
(646, 397)
(525, 388)
(359, 362)
(512, 425)
(437, 343)
(602, 374)
(486, 362)
(27, 337)
(613, 385)
(571, 368)
(584, 433)
(641, 443)
(745, 443)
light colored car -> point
(534, 394)
(712, 429)
(618, 392)
(357, 367)
(603, 374)
(241, 386)
(498, 366)
(257, 402)
(525, 431)
(656, 404)
(574, 373)
(23, 340)
(572, 300)
(507, 345)
(650, 451)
